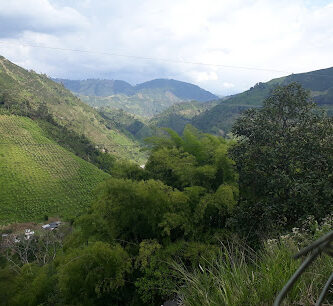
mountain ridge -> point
(219, 119)
(105, 87)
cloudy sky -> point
(238, 43)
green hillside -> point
(129, 124)
(180, 114)
(27, 93)
(220, 118)
(38, 177)
(145, 103)
(96, 87)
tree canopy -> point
(284, 157)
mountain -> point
(182, 90)
(220, 118)
(38, 177)
(180, 114)
(94, 87)
(104, 88)
(146, 99)
(125, 122)
(145, 104)
(30, 94)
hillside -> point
(104, 88)
(146, 99)
(180, 114)
(95, 87)
(147, 103)
(30, 94)
(182, 90)
(220, 118)
(125, 122)
(38, 177)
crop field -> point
(38, 177)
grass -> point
(240, 277)
(38, 177)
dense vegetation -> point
(287, 147)
(38, 176)
(239, 276)
(158, 231)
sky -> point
(224, 46)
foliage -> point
(176, 211)
(93, 274)
(285, 162)
(238, 276)
(159, 280)
(195, 159)
(134, 211)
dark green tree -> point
(94, 275)
(284, 157)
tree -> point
(285, 161)
(94, 274)
(194, 159)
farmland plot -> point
(38, 177)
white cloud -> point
(282, 35)
(18, 16)
(228, 85)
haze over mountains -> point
(104, 88)
(145, 99)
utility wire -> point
(163, 59)
(147, 58)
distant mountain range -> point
(219, 119)
(146, 99)
(171, 103)
(105, 88)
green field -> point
(38, 177)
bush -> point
(238, 276)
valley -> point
(147, 202)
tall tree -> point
(285, 161)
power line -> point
(147, 58)
(163, 59)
